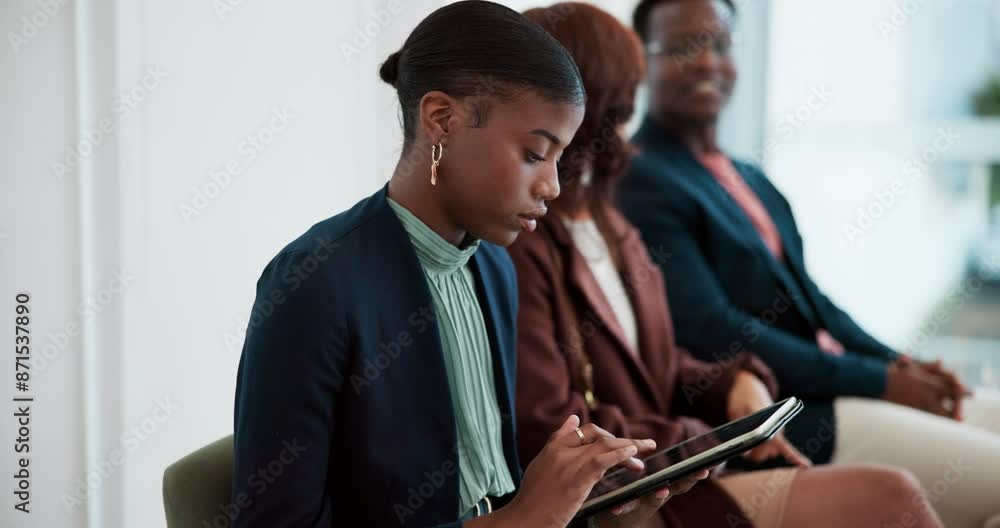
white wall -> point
(881, 82)
(741, 130)
(40, 254)
(196, 276)
(206, 82)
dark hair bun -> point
(389, 72)
(464, 44)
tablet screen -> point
(677, 453)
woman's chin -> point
(501, 237)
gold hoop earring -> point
(437, 151)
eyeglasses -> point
(692, 48)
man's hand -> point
(748, 396)
(927, 386)
(829, 344)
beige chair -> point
(195, 486)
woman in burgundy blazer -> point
(640, 383)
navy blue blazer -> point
(727, 290)
(343, 413)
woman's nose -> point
(547, 186)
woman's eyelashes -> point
(532, 158)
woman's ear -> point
(437, 113)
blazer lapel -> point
(678, 156)
(650, 316)
(431, 369)
(785, 272)
(598, 310)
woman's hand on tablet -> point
(749, 395)
(685, 484)
(636, 512)
(559, 479)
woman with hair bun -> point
(383, 379)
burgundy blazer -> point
(660, 392)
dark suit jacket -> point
(660, 392)
(343, 413)
(729, 292)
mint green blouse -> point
(468, 359)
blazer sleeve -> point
(708, 320)
(544, 394)
(839, 323)
(286, 391)
(703, 388)
(843, 327)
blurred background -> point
(157, 154)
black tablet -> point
(689, 457)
